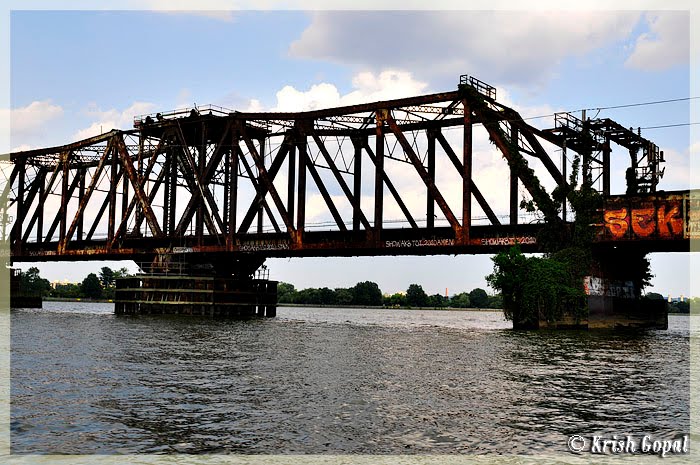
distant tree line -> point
(367, 293)
(94, 286)
(675, 307)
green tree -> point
(310, 296)
(535, 289)
(654, 296)
(395, 300)
(327, 296)
(460, 300)
(121, 273)
(366, 293)
(285, 293)
(343, 296)
(91, 287)
(680, 307)
(106, 276)
(33, 283)
(416, 296)
(437, 301)
(495, 301)
(479, 298)
(66, 291)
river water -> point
(334, 381)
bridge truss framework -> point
(171, 187)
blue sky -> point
(74, 73)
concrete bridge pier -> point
(197, 284)
(613, 293)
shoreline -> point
(380, 307)
(289, 305)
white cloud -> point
(318, 96)
(22, 148)
(507, 46)
(367, 87)
(666, 44)
(29, 118)
(214, 9)
(107, 120)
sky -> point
(74, 74)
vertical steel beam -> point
(606, 166)
(199, 170)
(166, 195)
(301, 190)
(173, 189)
(261, 145)
(514, 182)
(357, 143)
(430, 207)
(233, 190)
(16, 231)
(40, 212)
(112, 195)
(379, 174)
(125, 193)
(64, 196)
(563, 175)
(227, 177)
(467, 173)
(291, 175)
(390, 186)
(81, 195)
(138, 215)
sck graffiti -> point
(509, 240)
(420, 243)
(664, 221)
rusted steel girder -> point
(190, 164)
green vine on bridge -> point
(511, 152)
(547, 288)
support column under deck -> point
(203, 286)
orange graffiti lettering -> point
(616, 222)
(643, 223)
(671, 222)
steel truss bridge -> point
(231, 188)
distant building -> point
(55, 284)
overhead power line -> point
(671, 125)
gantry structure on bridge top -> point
(228, 189)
